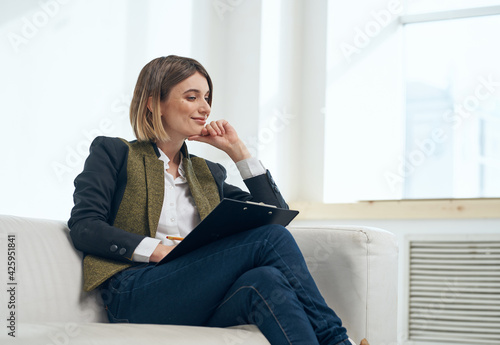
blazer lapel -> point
(155, 185)
(201, 183)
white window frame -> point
(312, 208)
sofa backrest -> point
(48, 272)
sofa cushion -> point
(134, 334)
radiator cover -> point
(452, 290)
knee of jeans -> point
(268, 284)
(276, 231)
(264, 276)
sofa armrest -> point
(355, 269)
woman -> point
(131, 195)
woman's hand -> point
(160, 252)
(223, 136)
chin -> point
(194, 132)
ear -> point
(150, 104)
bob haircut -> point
(156, 80)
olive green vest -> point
(140, 208)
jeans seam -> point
(113, 318)
(298, 280)
(263, 299)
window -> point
(413, 101)
(452, 81)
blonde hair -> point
(156, 80)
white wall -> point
(69, 68)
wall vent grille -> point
(454, 291)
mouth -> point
(202, 120)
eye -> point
(207, 99)
(191, 98)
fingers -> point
(195, 137)
(217, 133)
(215, 128)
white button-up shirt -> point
(179, 215)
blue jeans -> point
(255, 277)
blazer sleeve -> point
(98, 191)
(262, 188)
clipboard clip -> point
(260, 204)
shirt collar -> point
(184, 149)
(163, 157)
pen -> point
(174, 238)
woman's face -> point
(185, 111)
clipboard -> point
(227, 218)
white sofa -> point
(354, 267)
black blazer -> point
(100, 188)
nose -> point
(205, 108)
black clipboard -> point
(227, 218)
